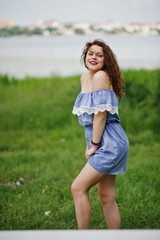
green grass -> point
(42, 142)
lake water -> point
(39, 56)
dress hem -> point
(110, 173)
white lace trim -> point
(95, 110)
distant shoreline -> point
(83, 28)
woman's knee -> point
(75, 188)
(78, 189)
(107, 197)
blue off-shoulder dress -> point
(111, 157)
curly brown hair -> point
(110, 65)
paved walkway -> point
(81, 235)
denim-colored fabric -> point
(111, 157)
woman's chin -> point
(93, 68)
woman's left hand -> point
(90, 151)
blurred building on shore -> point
(6, 23)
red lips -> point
(93, 62)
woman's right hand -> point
(90, 152)
(86, 152)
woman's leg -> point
(87, 178)
(106, 189)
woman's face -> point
(95, 58)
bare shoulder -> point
(83, 77)
(101, 80)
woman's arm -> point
(100, 82)
(99, 122)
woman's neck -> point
(91, 74)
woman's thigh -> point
(106, 187)
(87, 178)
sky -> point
(26, 12)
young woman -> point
(107, 143)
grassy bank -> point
(42, 150)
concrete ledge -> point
(81, 235)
